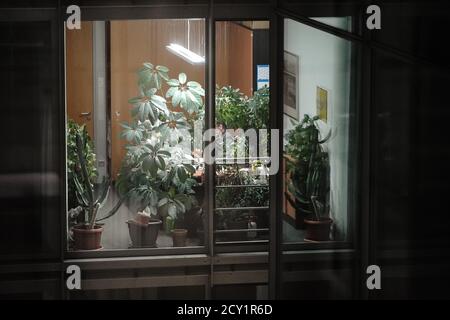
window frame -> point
(212, 13)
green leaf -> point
(182, 78)
(150, 92)
(181, 173)
(153, 168)
(160, 162)
(162, 69)
(163, 202)
(160, 103)
(173, 82)
(193, 98)
(147, 164)
(183, 98)
(190, 168)
(197, 90)
(180, 206)
(165, 153)
(157, 80)
(171, 91)
(172, 211)
(134, 100)
(176, 98)
(148, 65)
(193, 84)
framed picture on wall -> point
(290, 85)
(322, 103)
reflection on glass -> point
(344, 23)
(29, 170)
(134, 93)
(316, 165)
(242, 103)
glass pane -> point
(339, 14)
(344, 23)
(30, 173)
(319, 146)
(135, 94)
(242, 118)
(319, 171)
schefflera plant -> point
(157, 170)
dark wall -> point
(409, 146)
(411, 151)
(30, 161)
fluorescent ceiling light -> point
(185, 54)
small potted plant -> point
(175, 207)
(308, 167)
(91, 198)
(144, 229)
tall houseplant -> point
(308, 167)
(157, 171)
(73, 165)
(91, 198)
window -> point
(135, 95)
(242, 119)
(320, 134)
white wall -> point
(325, 62)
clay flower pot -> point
(87, 239)
(144, 234)
(179, 237)
(318, 230)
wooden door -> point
(79, 75)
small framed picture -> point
(322, 103)
(290, 85)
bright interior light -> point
(185, 54)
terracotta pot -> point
(179, 237)
(318, 230)
(87, 239)
(144, 235)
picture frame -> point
(322, 103)
(290, 84)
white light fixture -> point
(184, 53)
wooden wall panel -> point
(139, 41)
(222, 54)
(79, 76)
(234, 56)
(240, 68)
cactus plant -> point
(91, 197)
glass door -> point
(241, 195)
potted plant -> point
(308, 167)
(91, 198)
(176, 207)
(144, 229)
(158, 168)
